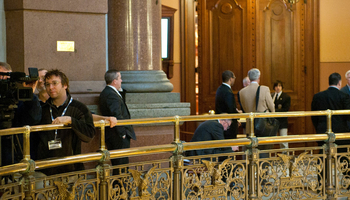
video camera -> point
(12, 91)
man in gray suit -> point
(247, 98)
(346, 88)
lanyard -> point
(63, 113)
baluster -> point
(253, 156)
(103, 169)
(29, 180)
(177, 159)
(331, 151)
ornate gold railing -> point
(299, 173)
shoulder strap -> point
(239, 101)
(257, 98)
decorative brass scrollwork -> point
(63, 191)
(142, 182)
(215, 173)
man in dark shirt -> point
(332, 99)
(112, 103)
(61, 108)
(225, 102)
(207, 131)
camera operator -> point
(27, 113)
(40, 88)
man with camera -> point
(27, 113)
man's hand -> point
(239, 111)
(235, 148)
(112, 121)
(63, 120)
(31, 84)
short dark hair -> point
(334, 79)
(6, 66)
(226, 75)
(276, 84)
(110, 75)
(57, 72)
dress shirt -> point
(276, 95)
(115, 90)
(227, 85)
(334, 87)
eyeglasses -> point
(54, 83)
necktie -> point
(276, 98)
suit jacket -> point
(332, 99)
(247, 97)
(345, 89)
(282, 104)
(206, 131)
(111, 104)
(225, 103)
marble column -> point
(134, 35)
(134, 48)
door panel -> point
(237, 35)
(280, 43)
(221, 46)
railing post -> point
(29, 180)
(103, 168)
(253, 156)
(331, 152)
(177, 160)
(103, 133)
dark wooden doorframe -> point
(188, 56)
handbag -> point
(265, 127)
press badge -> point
(55, 144)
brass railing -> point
(242, 175)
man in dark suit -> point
(113, 104)
(207, 131)
(282, 104)
(346, 88)
(225, 102)
(332, 99)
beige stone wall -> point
(34, 27)
(334, 39)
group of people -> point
(334, 98)
(225, 102)
(53, 104)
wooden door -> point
(222, 45)
(271, 35)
